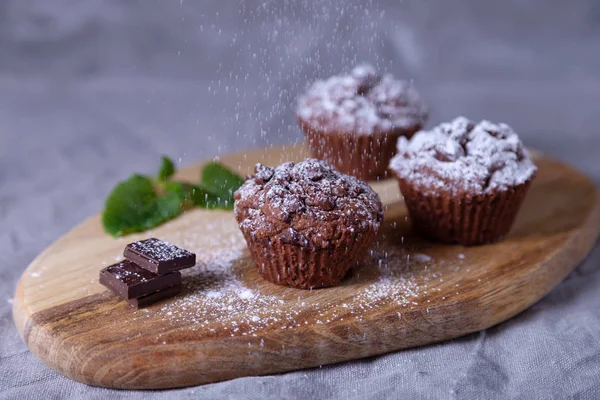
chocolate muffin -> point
(353, 121)
(463, 182)
(306, 224)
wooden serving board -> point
(229, 323)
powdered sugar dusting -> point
(159, 250)
(247, 294)
(362, 103)
(308, 203)
(420, 257)
(129, 273)
(224, 294)
(220, 302)
(462, 155)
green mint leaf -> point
(168, 206)
(202, 197)
(141, 203)
(222, 182)
(128, 205)
(193, 195)
(135, 206)
(167, 169)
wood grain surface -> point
(228, 322)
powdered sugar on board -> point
(223, 294)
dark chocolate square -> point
(158, 256)
(152, 298)
(129, 280)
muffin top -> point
(362, 103)
(464, 156)
(310, 204)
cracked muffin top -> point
(362, 102)
(309, 204)
(464, 156)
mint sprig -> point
(141, 202)
(222, 182)
(167, 169)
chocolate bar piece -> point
(151, 298)
(158, 256)
(129, 280)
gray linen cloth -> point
(92, 91)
